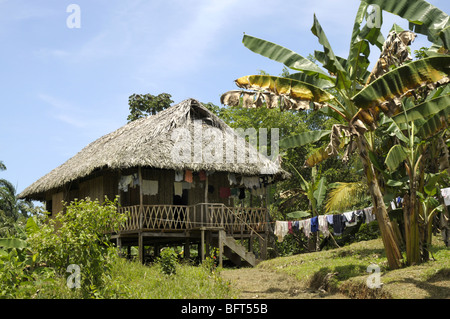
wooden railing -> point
(176, 217)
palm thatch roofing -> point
(149, 142)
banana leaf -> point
(396, 155)
(294, 89)
(311, 79)
(303, 138)
(402, 80)
(424, 110)
(317, 156)
(330, 61)
(423, 16)
(283, 55)
(435, 124)
(12, 243)
(359, 45)
(320, 192)
(298, 214)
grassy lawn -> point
(344, 270)
(148, 282)
(335, 273)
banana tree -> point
(315, 190)
(347, 90)
(415, 139)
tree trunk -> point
(411, 229)
(391, 246)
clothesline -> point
(185, 180)
(322, 223)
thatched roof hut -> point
(149, 142)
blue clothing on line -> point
(314, 224)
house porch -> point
(203, 224)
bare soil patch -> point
(258, 283)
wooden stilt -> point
(141, 248)
(141, 199)
(187, 252)
(221, 239)
(202, 244)
(208, 243)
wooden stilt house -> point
(182, 176)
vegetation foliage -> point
(395, 116)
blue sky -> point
(62, 88)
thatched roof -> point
(149, 142)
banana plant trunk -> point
(391, 246)
(410, 213)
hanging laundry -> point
(399, 201)
(234, 192)
(281, 230)
(368, 213)
(306, 223)
(323, 225)
(350, 219)
(232, 179)
(178, 176)
(290, 227)
(202, 175)
(149, 187)
(393, 205)
(188, 176)
(210, 189)
(250, 181)
(224, 192)
(186, 185)
(295, 226)
(314, 224)
(338, 224)
(135, 180)
(242, 193)
(125, 182)
(445, 192)
(330, 219)
(178, 188)
(359, 215)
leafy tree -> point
(79, 236)
(10, 204)
(12, 209)
(352, 94)
(142, 105)
(418, 143)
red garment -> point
(188, 176)
(202, 175)
(224, 192)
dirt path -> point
(256, 283)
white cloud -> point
(65, 111)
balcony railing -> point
(177, 217)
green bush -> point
(79, 237)
(168, 261)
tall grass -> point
(132, 280)
(150, 282)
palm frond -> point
(344, 196)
